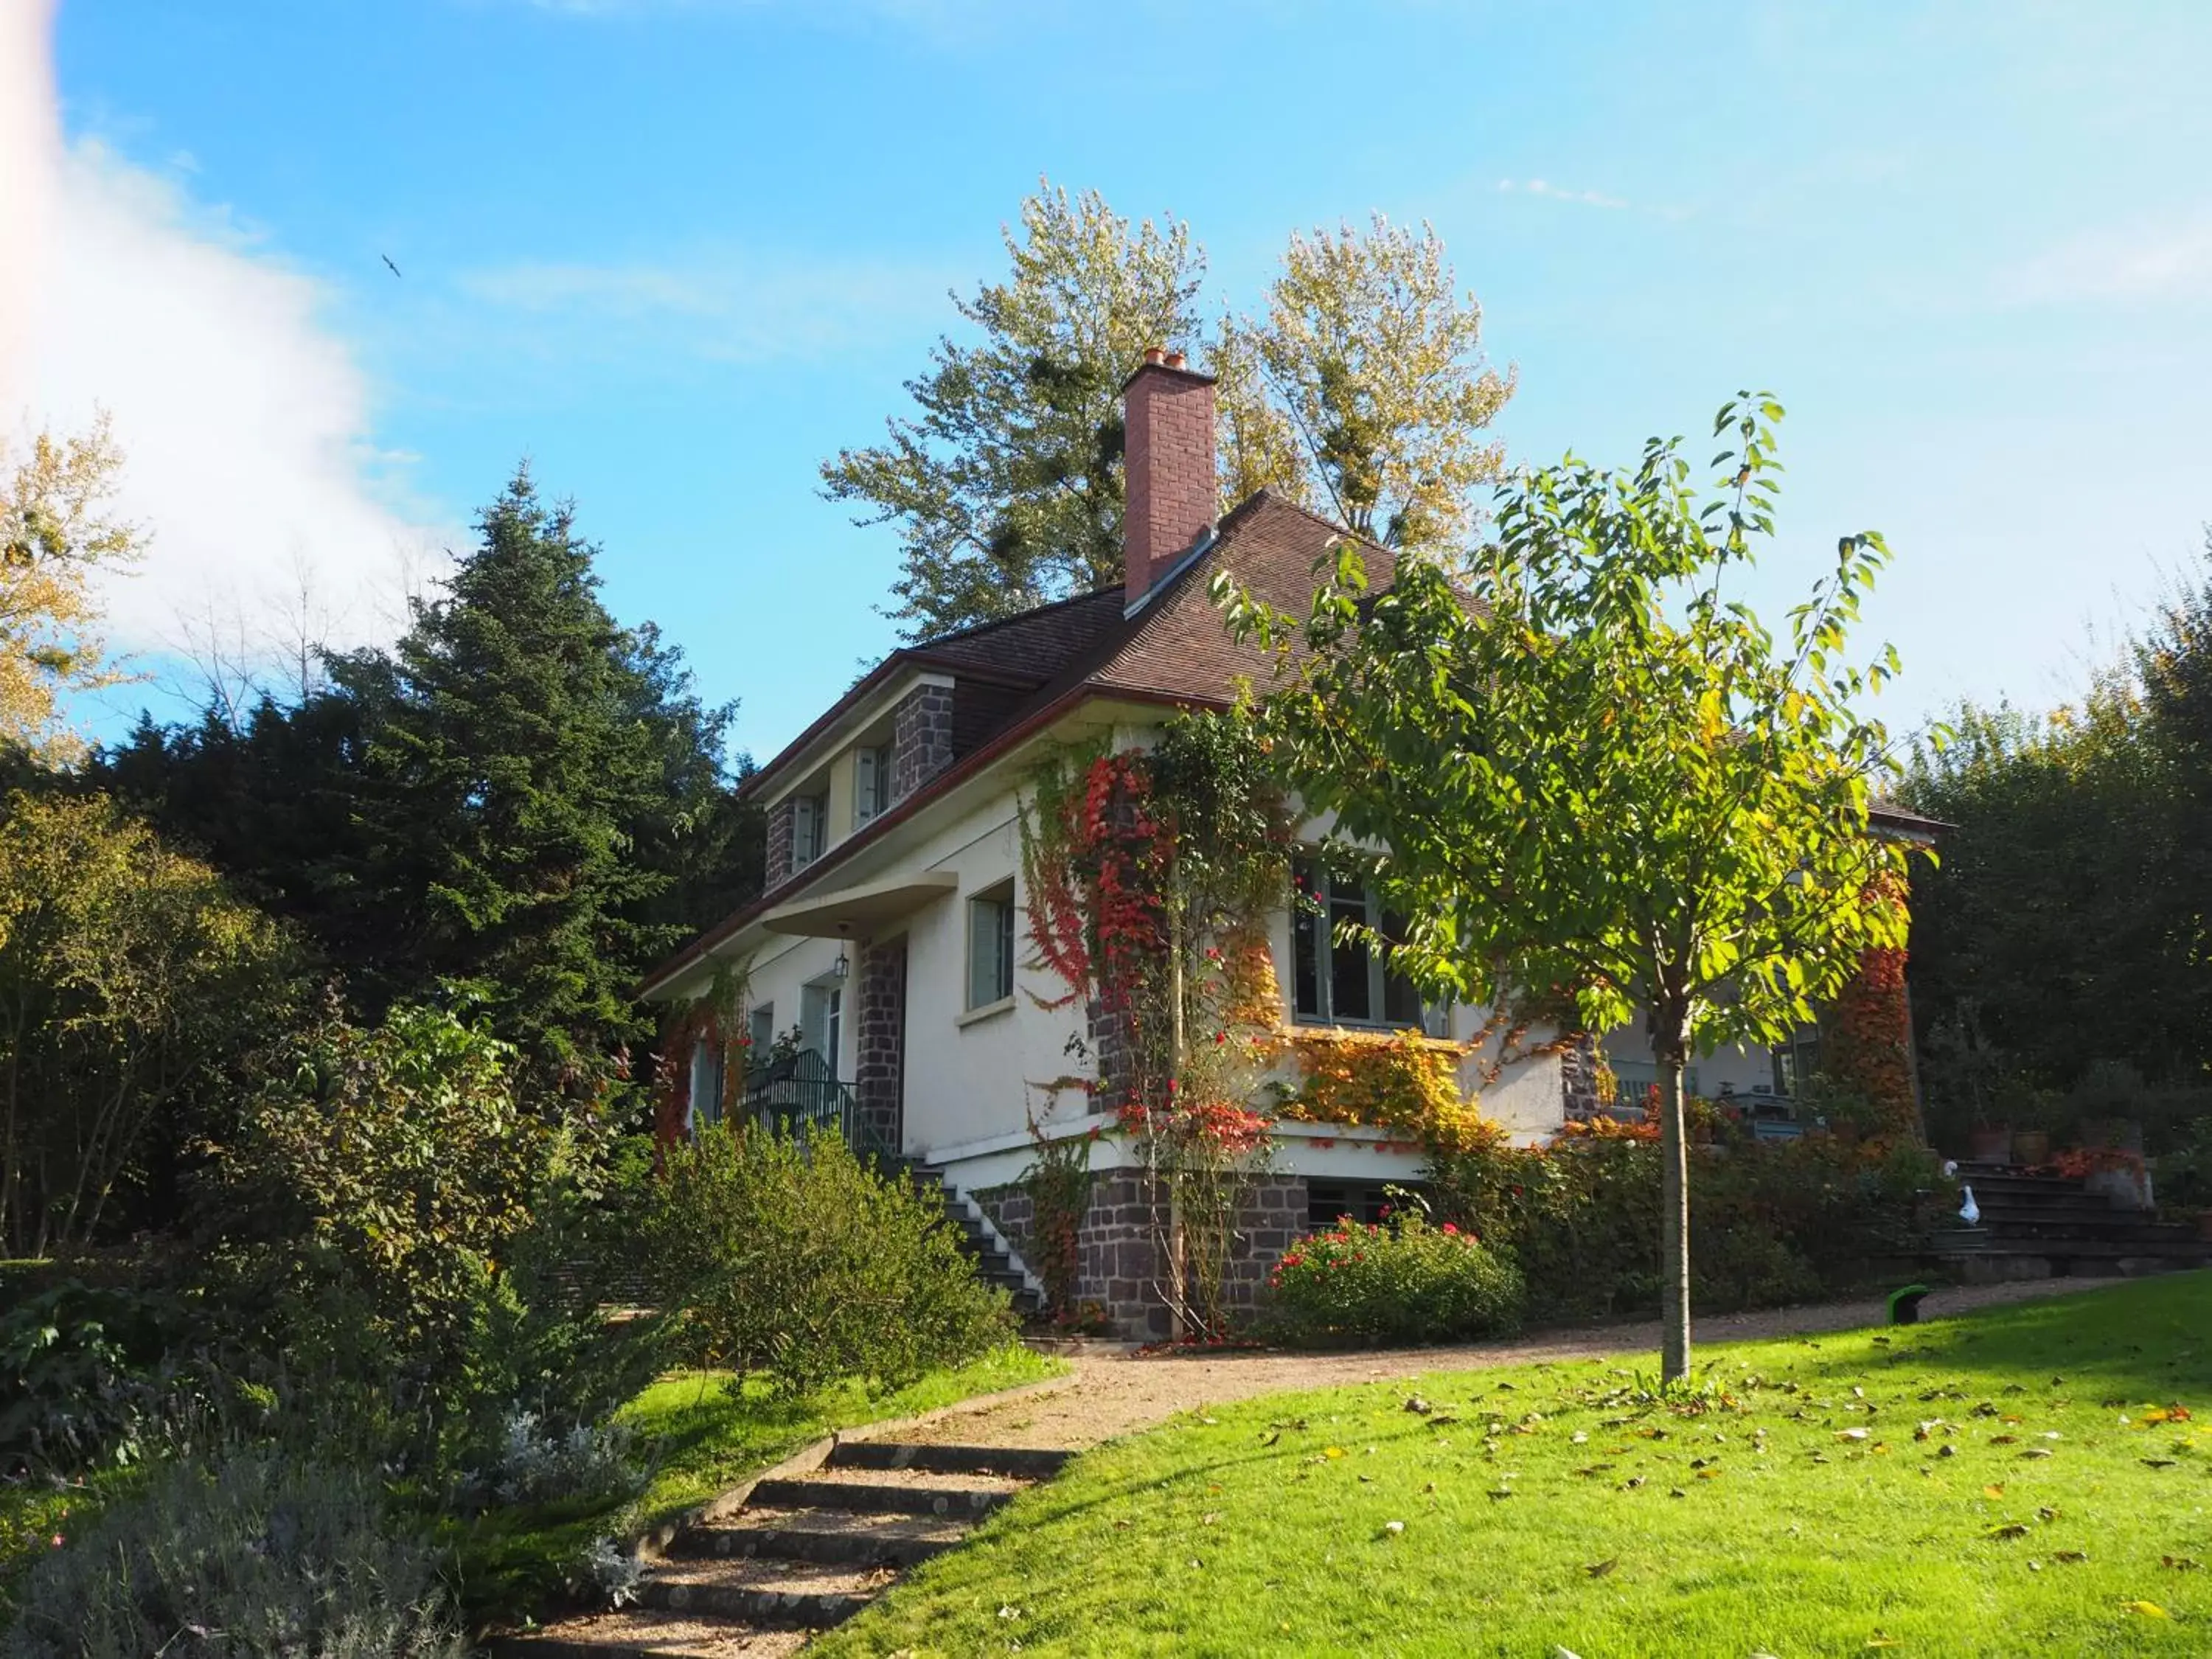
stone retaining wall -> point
(1118, 1269)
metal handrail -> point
(798, 1093)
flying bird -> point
(386, 258)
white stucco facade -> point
(974, 1076)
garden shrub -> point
(1400, 1281)
(537, 1462)
(401, 1215)
(789, 1257)
(255, 1556)
(1770, 1222)
(89, 1374)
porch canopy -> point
(860, 912)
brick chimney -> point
(1168, 460)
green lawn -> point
(702, 1442)
(2013, 1482)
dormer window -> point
(872, 782)
(810, 816)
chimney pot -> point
(1168, 467)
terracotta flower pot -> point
(1989, 1145)
(2030, 1146)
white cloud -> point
(244, 419)
(1559, 194)
(2166, 259)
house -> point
(889, 935)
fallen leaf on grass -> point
(2148, 1609)
(2071, 1557)
(1599, 1569)
(1271, 1437)
(1415, 1403)
(2004, 1440)
(1880, 1641)
(2038, 1452)
(2009, 1529)
(1851, 1434)
(2156, 1462)
(2181, 1563)
(1994, 1489)
(2046, 1513)
(1332, 1451)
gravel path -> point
(1111, 1395)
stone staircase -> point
(2037, 1226)
(806, 1549)
(981, 1242)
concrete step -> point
(643, 1633)
(1010, 1463)
(867, 1538)
(810, 1595)
(967, 1498)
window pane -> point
(1350, 995)
(1306, 953)
(990, 950)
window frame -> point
(1000, 898)
(872, 782)
(1316, 886)
(810, 839)
(703, 1108)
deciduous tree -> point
(59, 530)
(1007, 484)
(1359, 389)
(1362, 391)
(1601, 782)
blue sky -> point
(676, 252)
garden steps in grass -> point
(807, 1548)
(2036, 1225)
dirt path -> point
(1108, 1395)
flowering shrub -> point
(1386, 1080)
(1399, 1281)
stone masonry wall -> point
(879, 1077)
(1578, 1080)
(921, 738)
(1119, 1267)
(780, 819)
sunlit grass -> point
(2052, 1507)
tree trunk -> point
(1674, 1212)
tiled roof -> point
(1035, 645)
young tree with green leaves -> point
(1603, 785)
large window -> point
(1339, 981)
(991, 946)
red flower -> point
(1451, 1229)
